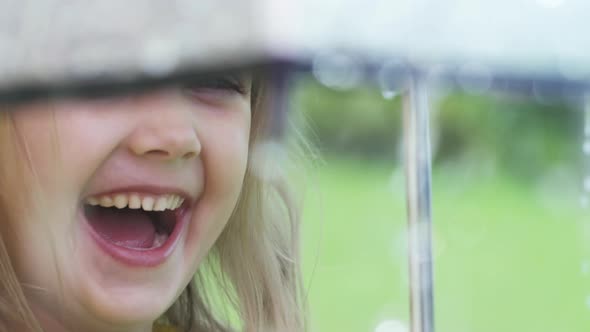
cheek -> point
(87, 137)
(55, 145)
(224, 154)
(36, 132)
(65, 143)
(226, 165)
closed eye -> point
(221, 83)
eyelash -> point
(229, 84)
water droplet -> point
(586, 147)
(388, 94)
(587, 184)
(585, 268)
(159, 56)
(337, 70)
(588, 301)
(392, 78)
(399, 246)
(391, 326)
(584, 201)
(396, 182)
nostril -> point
(167, 154)
(158, 153)
(189, 155)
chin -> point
(128, 305)
(118, 294)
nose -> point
(165, 130)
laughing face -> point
(129, 195)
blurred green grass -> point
(508, 256)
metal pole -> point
(585, 197)
(418, 193)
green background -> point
(511, 240)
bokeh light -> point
(267, 160)
(391, 326)
(337, 70)
(160, 56)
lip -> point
(143, 257)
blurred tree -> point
(518, 135)
(355, 122)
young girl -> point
(142, 212)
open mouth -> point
(139, 230)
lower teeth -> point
(160, 240)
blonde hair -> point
(250, 278)
(15, 313)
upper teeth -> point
(137, 201)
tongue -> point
(125, 227)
